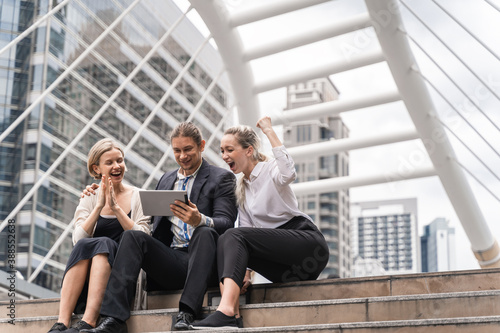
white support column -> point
(365, 59)
(335, 146)
(339, 183)
(331, 30)
(274, 8)
(216, 17)
(493, 4)
(336, 107)
(390, 31)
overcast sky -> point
(483, 21)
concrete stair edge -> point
(209, 309)
(339, 281)
(458, 294)
(158, 312)
(421, 293)
(377, 324)
(352, 280)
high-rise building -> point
(194, 89)
(438, 247)
(387, 231)
(330, 210)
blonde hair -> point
(246, 137)
(95, 153)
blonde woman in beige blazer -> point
(99, 223)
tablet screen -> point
(157, 203)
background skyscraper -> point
(438, 246)
(330, 210)
(387, 231)
(196, 90)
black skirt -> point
(88, 248)
(107, 235)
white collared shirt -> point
(269, 200)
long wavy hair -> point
(246, 137)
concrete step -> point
(486, 324)
(32, 308)
(370, 309)
(391, 285)
(355, 310)
(388, 285)
(489, 324)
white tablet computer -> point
(157, 203)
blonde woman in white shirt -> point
(99, 223)
(274, 237)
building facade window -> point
(304, 133)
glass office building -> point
(136, 69)
(329, 210)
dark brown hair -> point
(189, 130)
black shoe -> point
(78, 327)
(183, 320)
(216, 320)
(109, 325)
(58, 327)
(239, 322)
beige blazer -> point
(141, 222)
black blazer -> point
(213, 194)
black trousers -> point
(193, 270)
(296, 251)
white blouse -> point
(269, 200)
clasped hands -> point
(186, 213)
(106, 195)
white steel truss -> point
(394, 49)
(411, 90)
